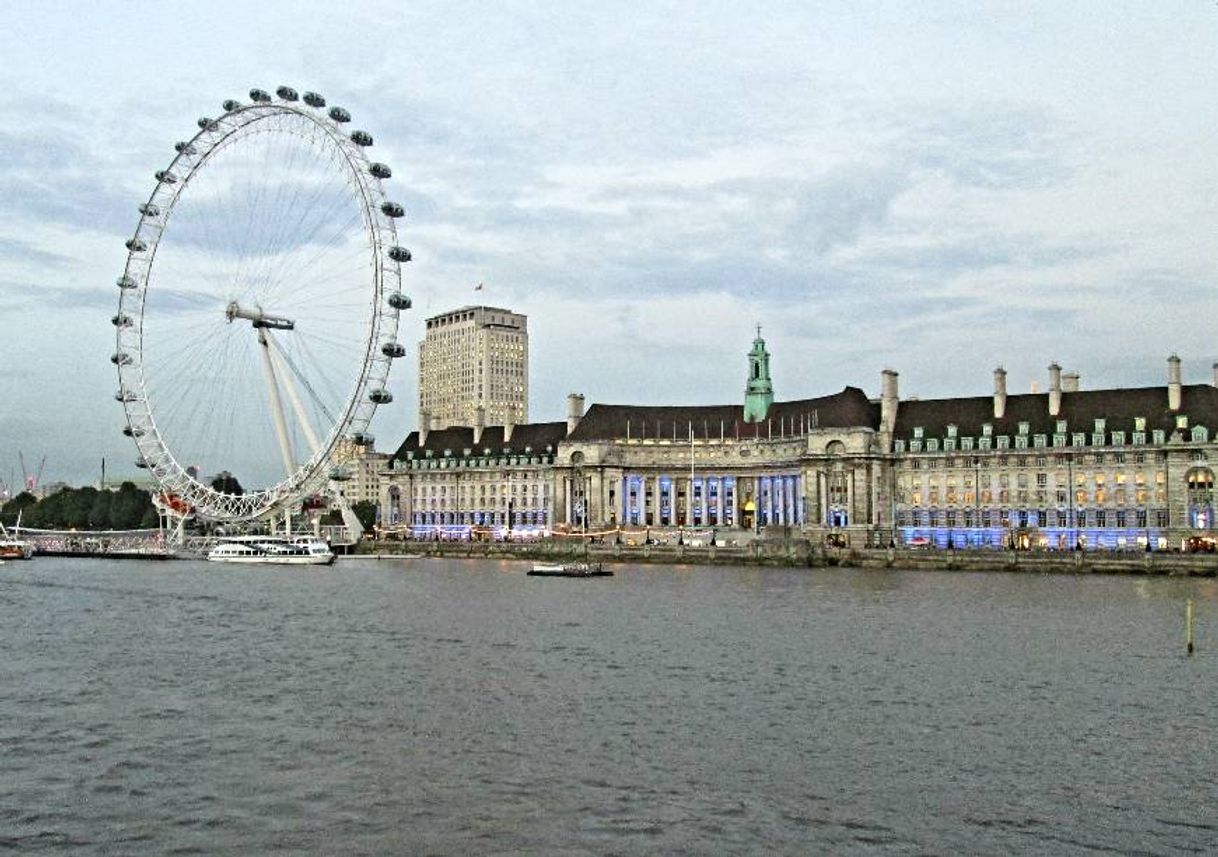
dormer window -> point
(1181, 421)
(1139, 423)
(1100, 425)
(1023, 428)
(987, 430)
(951, 431)
(918, 432)
(1061, 427)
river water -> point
(460, 707)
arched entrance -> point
(748, 514)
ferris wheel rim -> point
(379, 231)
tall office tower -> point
(476, 356)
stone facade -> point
(1112, 469)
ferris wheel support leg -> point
(281, 425)
(293, 396)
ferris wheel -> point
(258, 308)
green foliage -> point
(226, 483)
(86, 508)
(365, 510)
(20, 504)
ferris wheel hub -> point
(259, 318)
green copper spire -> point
(759, 393)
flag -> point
(478, 287)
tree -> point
(365, 510)
(226, 483)
(18, 505)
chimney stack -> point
(1216, 375)
(424, 427)
(575, 411)
(479, 423)
(1055, 389)
(888, 400)
(1173, 383)
(1000, 392)
(1069, 382)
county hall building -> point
(1067, 468)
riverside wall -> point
(801, 553)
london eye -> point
(258, 308)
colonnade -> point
(711, 500)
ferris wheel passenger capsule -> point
(380, 396)
(397, 300)
(399, 254)
(166, 177)
(392, 209)
(120, 359)
(393, 349)
(126, 282)
(120, 320)
(184, 148)
(314, 100)
(361, 138)
(362, 438)
(135, 245)
(230, 105)
(150, 209)
(125, 396)
(381, 171)
(339, 115)
(286, 93)
(259, 95)
(207, 124)
(141, 463)
(132, 431)
(338, 474)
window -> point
(898, 446)
(1200, 434)
(1182, 421)
(966, 444)
(951, 431)
(1079, 439)
(1004, 442)
(1139, 424)
(1060, 428)
(918, 432)
(1039, 441)
(1118, 438)
(1023, 428)
(1100, 425)
(986, 430)
(1157, 436)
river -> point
(459, 707)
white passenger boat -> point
(272, 550)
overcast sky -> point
(937, 188)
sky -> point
(935, 188)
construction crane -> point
(31, 479)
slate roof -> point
(536, 436)
(848, 408)
(1079, 409)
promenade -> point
(802, 553)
